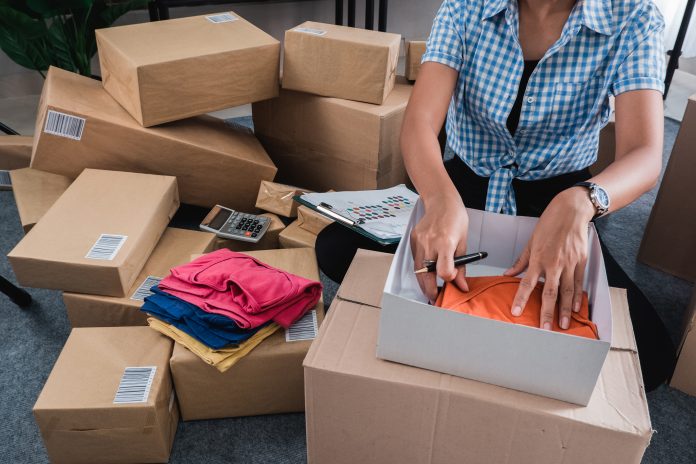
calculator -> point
(234, 225)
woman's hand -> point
(557, 252)
(439, 236)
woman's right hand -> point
(440, 236)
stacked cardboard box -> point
(35, 192)
(414, 53)
(15, 152)
(303, 232)
(684, 377)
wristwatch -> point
(598, 196)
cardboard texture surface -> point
(213, 162)
(363, 409)
(269, 241)
(311, 221)
(338, 61)
(76, 414)
(528, 359)
(269, 380)
(414, 52)
(35, 192)
(54, 253)
(684, 377)
(15, 151)
(327, 143)
(173, 249)
(668, 242)
(294, 236)
(165, 71)
(278, 198)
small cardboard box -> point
(269, 241)
(269, 380)
(342, 62)
(328, 143)
(414, 53)
(684, 377)
(165, 71)
(82, 412)
(668, 242)
(98, 235)
(361, 409)
(35, 192)
(294, 236)
(173, 249)
(311, 221)
(278, 198)
(80, 126)
(528, 359)
(15, 151)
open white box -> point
(532, 360)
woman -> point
(524, 86)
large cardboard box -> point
(15, 151)
(338, 61)
(367, 410)
(269, 380)
(98, 235)
(82, 412)
(294, 236)
(35, 192)
(80, 126)
(668, 242)
(328, 143)
(684, 377)
(278, 198)
(414, 53)
(269, 241)
(528, 359)
(174, 249)
(165, 71)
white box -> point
(551, 364)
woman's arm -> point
(442, 231)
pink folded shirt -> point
(242, 288)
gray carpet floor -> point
(30, 341)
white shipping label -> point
(5, 178)
(221, 18)
(135, 385)
(143, 290)
(64, 125)
(106, 247)
(310, 30)
(303, 329)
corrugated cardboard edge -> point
(684, 377)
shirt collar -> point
(493, 7)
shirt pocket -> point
(574, 104)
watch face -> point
(602, 197)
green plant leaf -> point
(30, 54)
(114, 11)
(25, 25)
(50, 8)
(62, 41)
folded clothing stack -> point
(223, 304)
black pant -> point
(336, 246)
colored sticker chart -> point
(387, 208)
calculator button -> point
(254, 235)
(247, 234)
(258, 228)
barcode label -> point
(135, 385)
(310, 30)
(5, 180)
(143, 290)
(64, 125)
(106, 247)
(221, 18)
(304, 329)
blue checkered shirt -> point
(606, 48)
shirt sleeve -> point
(644, 67)
(445, 44)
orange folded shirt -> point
(492, 298)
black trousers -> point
(336, 246)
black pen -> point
(458, 261)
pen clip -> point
(328, 210)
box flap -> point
(623, 337)
(364, 281)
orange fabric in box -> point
(492, 298)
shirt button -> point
(531, 99)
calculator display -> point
(220, 219)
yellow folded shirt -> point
(223, 358)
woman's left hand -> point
(557, 252)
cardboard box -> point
(414, 53)
(278, 198)
(311, 221)
(606, 152)
(684, 377)
(15, 151)
(668, 242)
(213, 162)
(98, 235)
(328, 143)
(77, 413)
(528, 359)
(342, 62)
(294, 236)
(367, 410)
(174, 249)
(165, 71)
(35, 192)
(269, 380)
(269, 241)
